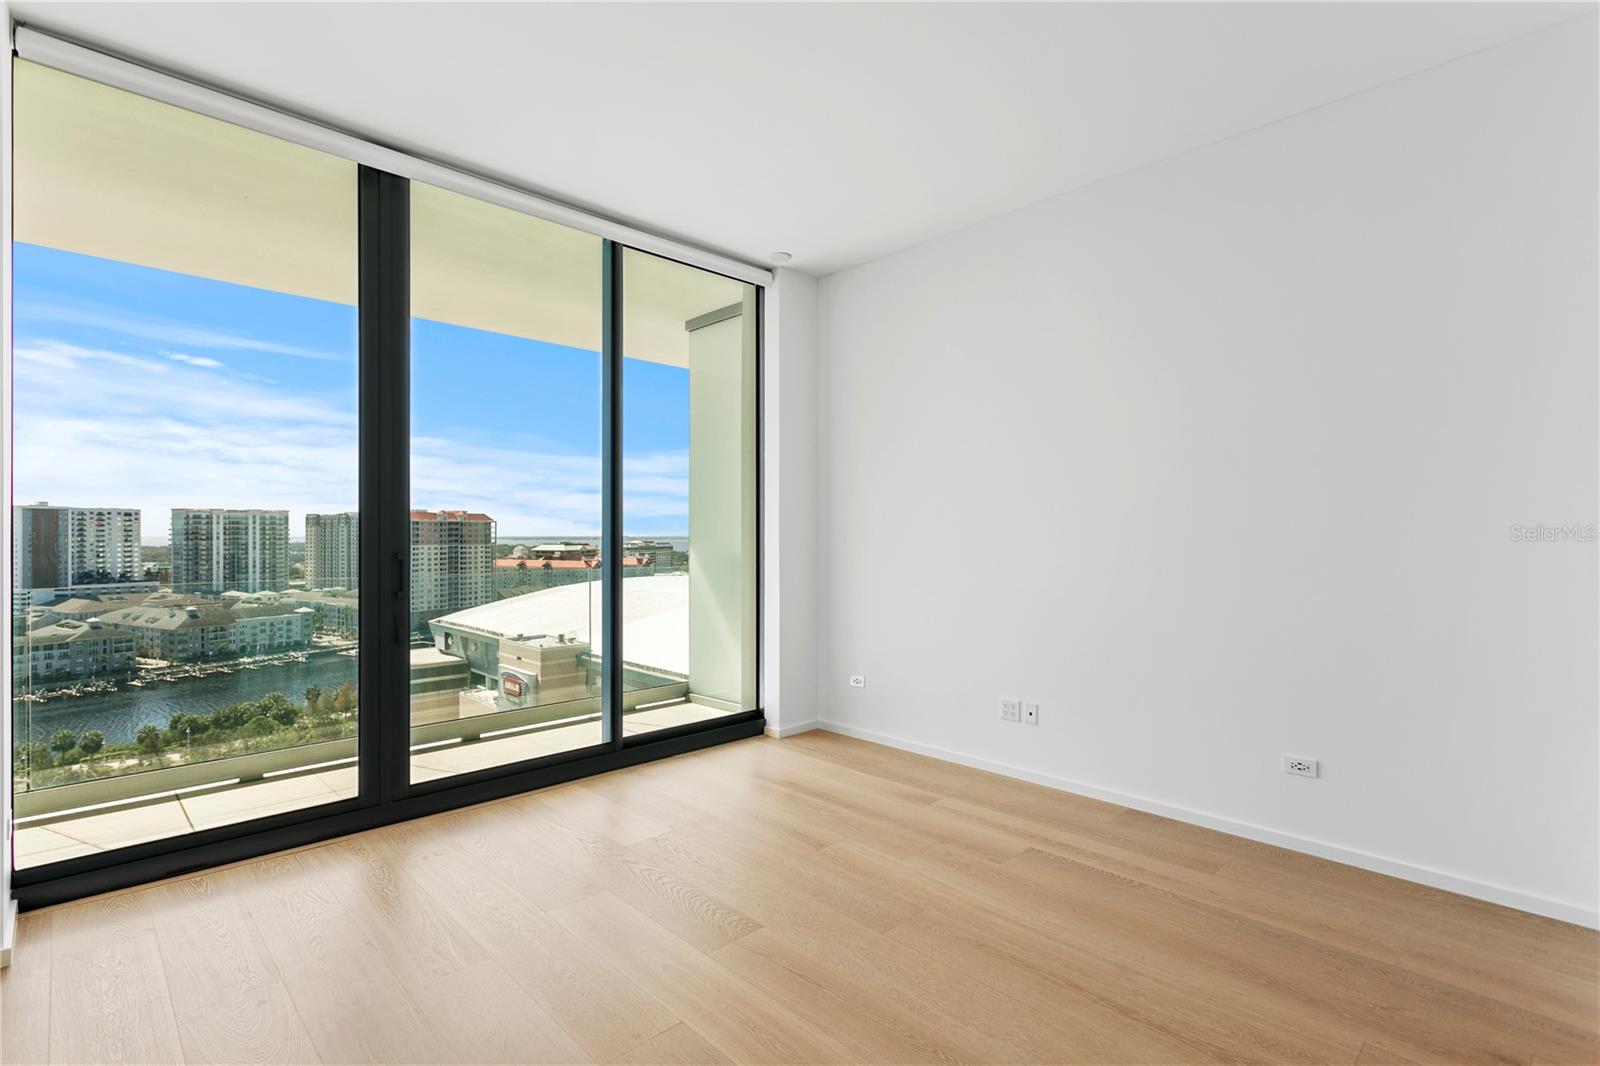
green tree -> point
(260, 727)
(313, 695)
(319, 714)
(183, 728)
(233, 717)
(35, 756)
(344, 700)
(149, 739)
(63, 741)
(91, 742)
(277, 707)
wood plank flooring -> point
(809, 900)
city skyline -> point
(590, 535)
(275, 426)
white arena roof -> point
(655, 618)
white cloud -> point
(66, 356)
(194, 360)
(98, 427)
(531, 493)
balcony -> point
(69, 820)
(503, 682)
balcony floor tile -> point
(256, 800)
(135, 825)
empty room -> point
(800, 533)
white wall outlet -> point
(1011, 710)
(1030, 713)
(1293, 764)
(858, 681)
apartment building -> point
(67, 551)
(220, 549)
(564, 550)
(211, 630)
(69, 650)
(335, 612)
(452, 562)
(333, 555)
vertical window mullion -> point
(611, 685)
(385, 313)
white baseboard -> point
(791, 730)
(1509, 897)
(8, 932)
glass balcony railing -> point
(115, 752)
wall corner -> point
(789, 503)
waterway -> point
(120, 714)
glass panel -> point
(505, 486)
(186, 402)
(689, 494)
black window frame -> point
(386, 795)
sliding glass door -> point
(342, 498)
(505, 486)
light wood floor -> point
(815, 899)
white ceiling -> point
(836, 132)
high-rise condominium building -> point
(222, 550)
(64, 551)
(452, 562)
(332, 550)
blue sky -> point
(137, 387)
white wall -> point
(722, 512)
(1218, 460)
(789, 504)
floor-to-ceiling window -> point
(688, 500)
(330, 487)
(185, 475)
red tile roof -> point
(539, 564)
(561, 564)
(449, 516)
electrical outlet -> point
(1011, 710)
(1293, 764)
(858, 681)
(1030, 713)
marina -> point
(155, 694)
